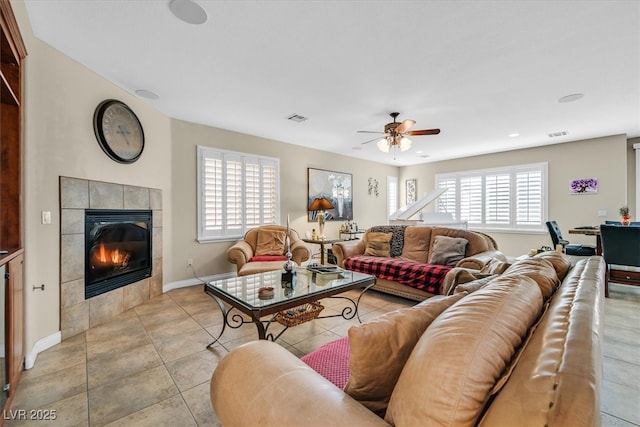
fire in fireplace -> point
(117, 249)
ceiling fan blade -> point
(424, 132)
(405, 125)
(371, 140)
(369, 131)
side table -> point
(322, 243)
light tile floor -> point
(150, 366)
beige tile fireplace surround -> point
(78, 314)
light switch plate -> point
(46, 217)
(602, 213)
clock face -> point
(118, 131)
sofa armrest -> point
(300, 252)
(479, 260)
(345, 249)
(240, 253)
(261, 383)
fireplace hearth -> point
(117, 248)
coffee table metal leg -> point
(224, 320)
(360, 296)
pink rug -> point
(331, 361)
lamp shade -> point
(320, 203)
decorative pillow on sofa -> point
(447, 250)
(453, 368)
(380, 348)
(270, 242)
(378, 244)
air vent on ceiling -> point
(297, 118)
(557, 134)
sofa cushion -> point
(416, 244)
(540, 270)
(378, 244)
(380, 348)
(397, 241)
(463, 353)
(447, 250)
(474, 285)
(559, 261)
(270, 242)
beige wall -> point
(602, 158)
(60, 98)
(210, 258)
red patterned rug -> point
(331, 361)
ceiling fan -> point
(395, 134)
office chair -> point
(569, 248)
(620, 246)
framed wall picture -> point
(411, 190)
(583, 186)
(334, 186)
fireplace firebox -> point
(117, 249)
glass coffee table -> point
(265, 298)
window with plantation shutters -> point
(236, 192)
(510, 198)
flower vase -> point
(626, 220)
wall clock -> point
(118, 131)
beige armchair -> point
(263, 249)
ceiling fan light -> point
(383, 145)
(405, 144)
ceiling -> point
(478, 70)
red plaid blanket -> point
(426, 277)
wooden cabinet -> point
(12, 53)
(13, 320)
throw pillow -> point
(378, 244)
(380, 348)
(447, 250)
(452, 370)
(270, 242)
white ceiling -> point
(478, 70)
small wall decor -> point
(334, 186)
(583, 186)
(411, 190)
(373, 187)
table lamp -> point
(320, 205)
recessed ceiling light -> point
(513, 135)
(571, 98)
(143, 93)
(188, 11)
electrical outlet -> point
(189, 262)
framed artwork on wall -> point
(411, 190)
(335, 187)
(583, 186)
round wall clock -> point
(118, 131)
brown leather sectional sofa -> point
(524, 350)
(418, 244)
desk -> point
(322, 242)
(590, 232)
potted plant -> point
(624, 213)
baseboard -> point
(41, 345)
(195, 281)
(56, 338)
